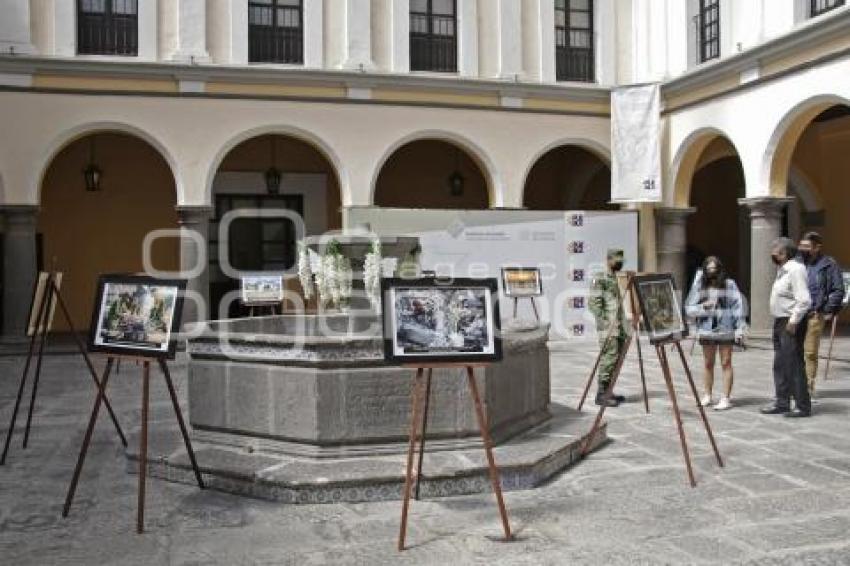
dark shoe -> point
(774, 410)
(797, 413)
(619, 398)
(602, 398)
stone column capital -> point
(673, 214)
(766, 207)
(19, 215)
(193, 213)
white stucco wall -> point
(505, 143)
(776, 103)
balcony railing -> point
(433, 43)
(818, 7)
(102, 33)
(575, 61)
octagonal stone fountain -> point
(303, 408)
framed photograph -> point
(661, 308)
(38, 296)
(522, 282)
(441, 320)
(262, 289)
(136, 315)
(846, 276)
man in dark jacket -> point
(826, 287)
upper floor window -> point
(819, 7)
(275, 31)
(433, 35)
(708, 30)
(107, 27)
(574, 59)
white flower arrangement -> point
(305, 272)
(372, 273)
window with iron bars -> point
(276, 31)
(707, 23)
(433, 35)
(574, 56)
(107, 27)
(818, 7)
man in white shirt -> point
(789, 304)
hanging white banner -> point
(635, 144)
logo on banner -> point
(577, 220)
(578, 330)
(578, 275)
(576, 247)
(577, 302)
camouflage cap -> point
(615, 253)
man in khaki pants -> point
(826, 287)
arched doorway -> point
(431, 173)
(569, 177)
(817, 178)
(269, 172)
(719, 227)
(86, 229)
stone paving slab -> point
(782, 498)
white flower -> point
(345, 279)
(305, 272)
(331, 277)
(372, 272)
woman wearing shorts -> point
(718, 309)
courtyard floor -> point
(783, 497)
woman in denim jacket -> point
(718, 309)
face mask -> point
(618, 265)
(806, 255)
(775, 260)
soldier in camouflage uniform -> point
(606, 306)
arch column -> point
(671, 242)
(20, 266)
(194, 252)
(765, 227)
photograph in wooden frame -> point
(522, 282)
(261, 289)
(660, 307)
(136, 315)
(437, 320)
(37, 298)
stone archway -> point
(85, 233)
(432, 173)
(568, 177)
(309, 185)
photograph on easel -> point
(262, 289)
(451, 320)
(38, 297)
(661, 308)
(522, 282)
(136, 315)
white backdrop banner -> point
(568, 247)
(635, 144)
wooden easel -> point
(668, 379)
(40, 332)
(831, 344)
(417, 430)
(533, 306)
(143, 440)
(635, 335)
(270, 308)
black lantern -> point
(456, 180)
(92, 173)
(273, 174)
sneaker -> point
(706, 400)
(723, 404)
